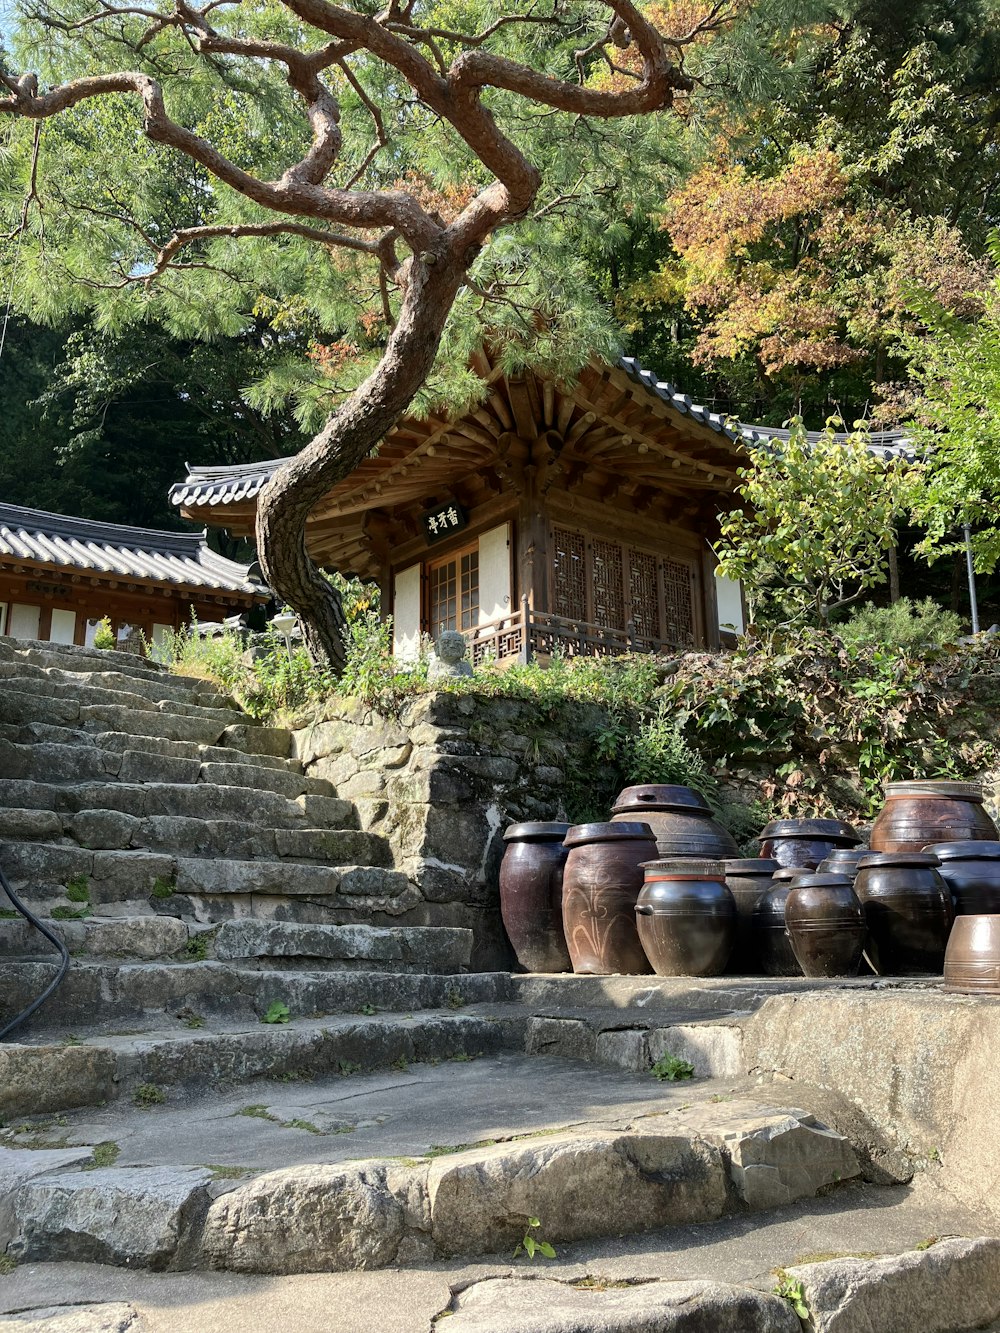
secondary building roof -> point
(110, 550)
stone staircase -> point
(264, 1060)
(199, 880)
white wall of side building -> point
(729, 599)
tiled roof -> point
(234, 485)
(884, 443)
(182, 558)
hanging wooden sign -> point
(443, 521)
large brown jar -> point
(972, 959)
(747, 879)
(681, 820)
(686, 917)
(908, 911)
(972, 872)
(531, 884)
(826, 925)
(916, 814)
(805, 842)
(771, 944)
(601, 883)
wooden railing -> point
(527, 634)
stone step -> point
(445, 949)
(688, 1166)
(247, 941)
(71, 657)
(145, 936)
(96, 996)
(111, 830)
(18, 708)
(202, 800)
(45, 1077)
(43, 871)
(154, 687)
(26, 699)
(951, 1285)
(31, 733)
(47, 762)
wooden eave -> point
(606, 434)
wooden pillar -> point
(893, 574)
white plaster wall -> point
(406, 613)
(729, 597)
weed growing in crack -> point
(793, 1292)
(277, 1012)
(148, 1094)
(532, 1245)
(671, 1069)
(105, 1154)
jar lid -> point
(535, 829)
(810, 828)
(847, 854)
(682, 867)
(750, 865)
(660, 796)
(785, 874)
(579, 834)
(965, 791)
(823, 879)
(873, 860)
(965, 851)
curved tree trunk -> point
(352, 432)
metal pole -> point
(973, 601)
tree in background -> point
(178, 160)
(100, 425)
(955, 416)
(820, 516)
(779, 283)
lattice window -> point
(570, 574)
(644, 594)
(454, 593)
(679, 603)
(609, 595)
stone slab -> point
(116, 1317)
(509, 1305)
(142, 1215)
(952, 1285)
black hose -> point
(29, 916)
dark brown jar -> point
(747, 880)
(972, 872)
(805, 842)
(681, 820)
(908, 911)
(844, 861)
(771, 944)
(531, 883)
(601, 883)
(916, 814)
(686, 917)
(972, 959)
(826, 925)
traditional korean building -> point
(553, 517)
(60, 576)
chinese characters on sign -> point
(443, 521)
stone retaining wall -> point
(442, 783)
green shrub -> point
(104, 635)
(906, 625)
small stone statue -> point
(449, 656)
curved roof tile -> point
(182, 558)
